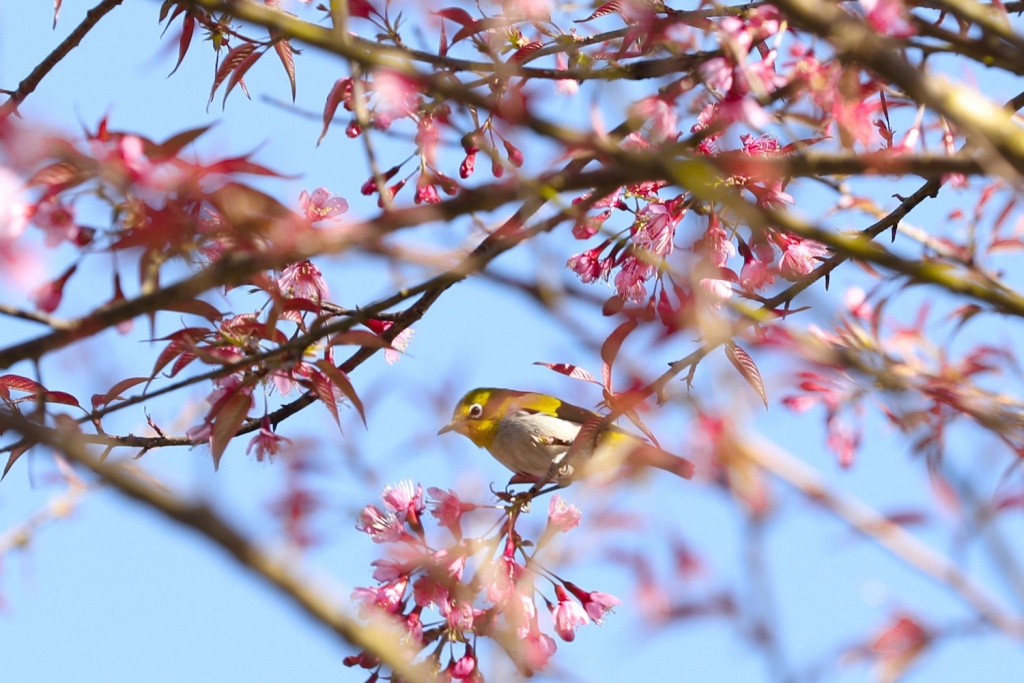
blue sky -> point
(116, 593)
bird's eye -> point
(475, 411)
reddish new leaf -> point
(194, 307)
(479, 26)
(742, 361)
(227, 422)
(170, 147)
(611, 346)
(231, 62)
(239, 73)
(358, 338)
(339, 92)
(525, 51)
(114, 393)
(456, 14)
(284, 51)
(19, 383)
(569, 370)
(15, 454)
(324, 390)
(341, 380)
(187, 29)
(604, 10)
(61, 397)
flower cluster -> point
(450, 595)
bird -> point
(527, 432)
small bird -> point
(527, 432)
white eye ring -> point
(475, 411)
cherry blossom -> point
(322, 205)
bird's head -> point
(478, 414)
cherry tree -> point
(798, 213)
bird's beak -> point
(447, 428)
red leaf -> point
(479, 26)
(115, 391)
(187, 29)
(62, 398)
(456, 14)
(170, 147)
(15, 454)
(194, 307)
(238, 74)
(605, 9)
(58, 177)
(324, 391)
(525, 51)
(230, 63)
(742, 361)
(19, 383)
(239, 165)
(358, 338)
(338, 92)
(284, 51)
(341, 380)
(361, 9)
(574, 371)
(611, 346)
(225, 425)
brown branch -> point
(877, 527)
(31, 82)
(311, 596)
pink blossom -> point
(465, 667)
(756, 275)
(655, 227)
(531, 10)
(521, 611)
(322, 205)
(856, 301)
(303, 280)
(399, 344)
(502, 577)
(57, 220)
(14, 213)
(538, 648)
(629, 282)
(387, 598)
(47, 297)
(461, 615)
(716, 243)
(266, 442)
(888, 17)
(398, 95)
(447, 508)
(565, 86)
(661, 116)
(389, 569)
(799, 256)
(425, 192)
(596, 603)
(404, 499)
(589, 266)
(381, 527)
(561, 515)
(718, 290)
(568, 615)
(200, 433)
(429, 591)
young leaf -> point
(611, 346)
(230, 63)
(115, 391)
(239, 73)
(229, 418)
(284, 51)
(569, 370)
(341, 380)
(323, 388)
(187, 29)
(742, 361)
